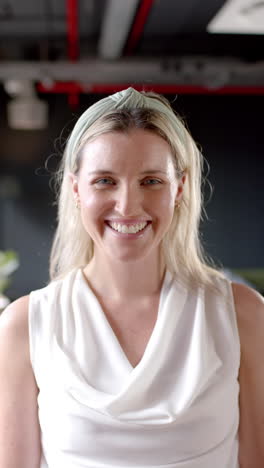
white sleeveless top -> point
(178, 408)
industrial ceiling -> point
(76, 46)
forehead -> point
(137, 147)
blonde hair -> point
(181, 247)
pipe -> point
(73, 44)
(73, 87)
(138, 25)
(116, 25)
(72, 30)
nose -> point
(128, 200)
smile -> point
(127, 228)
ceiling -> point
(90, 46)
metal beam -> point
(211, 73)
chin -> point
(131, 256)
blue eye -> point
(152, 181)
(104, 181)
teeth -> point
(128, 229)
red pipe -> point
(73, 44)
(76, 88)
(61, 87)
(138, 25)
(72, 30)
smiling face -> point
(127, 189)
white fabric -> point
(177, 408)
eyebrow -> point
(105, 171)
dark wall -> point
(229, 130)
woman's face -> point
(127, 189)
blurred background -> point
(57, 57)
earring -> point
(177, 205)
(77, 203)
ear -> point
(181, 183)
(75, 185)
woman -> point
(133, 354)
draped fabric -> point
(177, 408)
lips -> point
(128, 221)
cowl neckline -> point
(178, 363)
(84, 283)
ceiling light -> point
(25, 111)
(239, 17)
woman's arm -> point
(250, 315)
(19, 428)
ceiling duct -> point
(117, 21)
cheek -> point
(94, 203)
(87, 195)
(166, 200)
(90, 201)
(167, 205)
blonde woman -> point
(137, 353)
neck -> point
(125, 281)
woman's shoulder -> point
(249, 305)
(243, 292)
(18, 389)
(15, 317)
(14, 334)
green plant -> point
(8, 264)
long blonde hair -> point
(181, 247)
